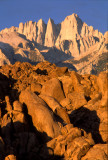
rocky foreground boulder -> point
(48, 112)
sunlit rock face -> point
(70, 43)
(72, 36)
(51, 33)
(33, 31)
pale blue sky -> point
(93, 12)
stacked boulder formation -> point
(49, 112)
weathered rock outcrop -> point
(48, 112)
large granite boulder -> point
(38, 110)
(54, 89)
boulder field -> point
(50, 113)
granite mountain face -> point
(70, 39)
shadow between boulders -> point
(6, 89)
(42, 137)
(23, 140)
(25, 144)
(87, 120)
(41, 72)
(4, 86)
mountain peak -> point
(50, 21)
(50, 35)
(72, 17)
(75, 15)
(40, 21)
